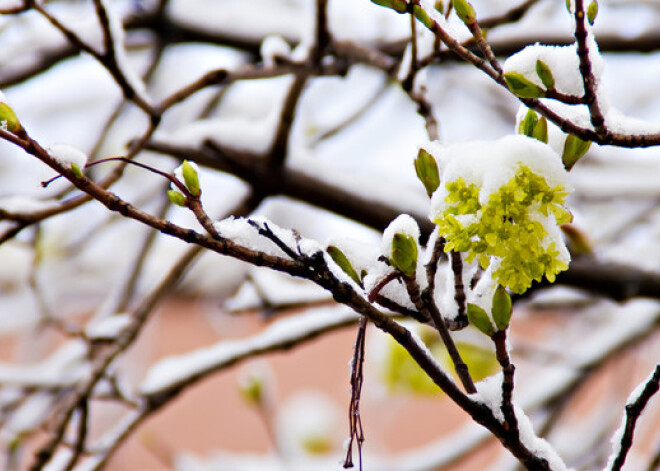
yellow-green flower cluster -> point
(510, 228)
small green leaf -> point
(522, 86)
(439, 6)
(76, 171)
(592, 12)
(540, 131)
(423, 17)
(8, 118)
(176, 197)
(545, 74)
(574, 150)
(427, 171)
(527, 125)
(344, 263)
(400, 6)
(480, 319)
(465, 11)
(190, 178)
(501, 308)
(404, 254)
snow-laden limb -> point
(65, 367)
(622, 439)
(175, 371)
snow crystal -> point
(67, 155)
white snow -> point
(176, 369)
(67, 155)
(108, 327)
(274, 47)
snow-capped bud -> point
(545, 74)
(422, 16)
(574, 150)
(427, 171)
(527, 125)
(404, 254)
(400, 6)
(8, 119)
(478, 318)
(76, 171)
(465, 11)
(190, 178)
(540, 130)
(592, 12)
(176, 197)
(522, 86)
(344, 263)
(502, 308)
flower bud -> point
(8, 118)
(176, 197)
(404, 254)
(427, 171)
(76, 171)
(522, 86)
(502, 308)
(480, 319)
(592, 11)
(191, 178)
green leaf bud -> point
(439, 6)
(404, 254)
(423, 17)
(8, 118)
(526, 126)
(480, 319)
(522, 86)
(592, 11)
(465, 11)
(427, 171)
(545, 74)
(76, 171)
(400, 6)
(501, 308)
(191, 178)
(176, 197)
(540, 131)
(574, 150)
(344, 263)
